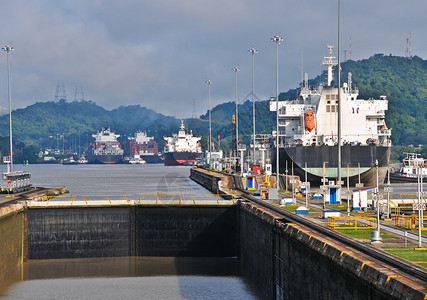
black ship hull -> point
(396, 177)
(104, 159)
(180, 158)
(353, 159)
(151, 159)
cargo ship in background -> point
(308, 133)
(106, 149)
(145, 147)
(182, 148)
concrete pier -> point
(287, 260)
(284, 259)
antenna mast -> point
(78, 94)
(408, 53)
(60, 92)
(193, 116)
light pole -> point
(236, 69)
(339, 96)
(209, 82)
(277, 39)
(9, 48)
(253, 51)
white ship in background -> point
(308, 132)
(182, 148)
(412, 167)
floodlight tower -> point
(209, 82)
(9, 48)
(277, 39)
(236, 69)
(253, 51)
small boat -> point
(137, 160)
(413, 165)
(69, 161)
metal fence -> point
(140, 199)
(352, 222)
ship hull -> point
(396, 177)
(104, 159)
(151, 159)
(180, 158)
(353, 159)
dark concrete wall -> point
(287, 263)
(79, 232)
(11, 249)
(126, 231)
(187, 231)
(208, 181)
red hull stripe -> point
(174, 162)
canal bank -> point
(279, 256)
(288, 260)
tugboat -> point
(308, 132)
(182, 148)
(106, 149)
(409, 170)
(137, 160)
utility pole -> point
(9, 48)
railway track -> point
(380, 255)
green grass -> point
(417, 256)
(292, 208)
(342, 207)
(363, 233)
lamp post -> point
(209, 82)
(236, 69)
(253, 51)
(339, 96)
(277, 39)
(9, 48)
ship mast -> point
(339, 95)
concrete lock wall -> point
(287, 263)
(128, 231)
(11, 249)
(208, 181)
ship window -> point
(332, 108)
(328, 97)
(328, 108)
(328, 102)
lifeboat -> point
(309, 120)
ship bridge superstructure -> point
(106, 143)
(183, 142)
(312, 118)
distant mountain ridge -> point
(402, 80)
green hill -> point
(47, 124)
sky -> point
(159, 53)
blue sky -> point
(160, 53)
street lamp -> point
(277, 39)
(209, 82)
(9, 48)
(253, 51)
(236, 69)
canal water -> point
(125, 277)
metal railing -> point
(410, 222)
(352, 222)
(139, 199)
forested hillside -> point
(402, 80)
